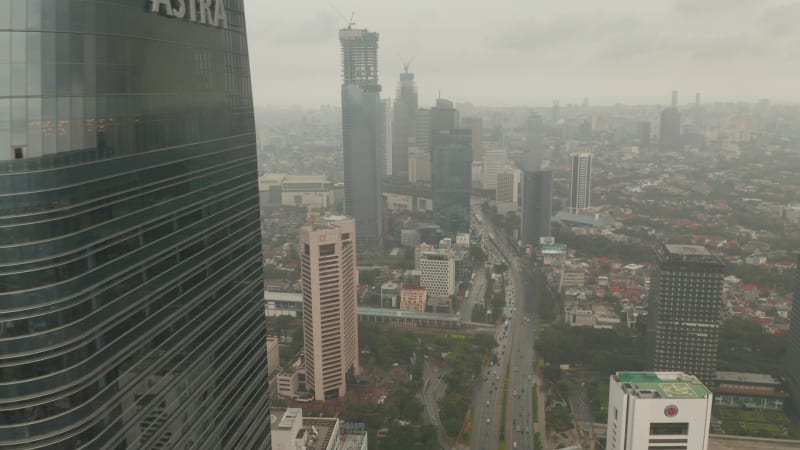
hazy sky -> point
(529, 52)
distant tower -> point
(697, 100)
(363, 198)
(475, 124)
(685, 310)
(534, 138)
(669, 134)
(537, 203)
(330, 316)
(580, 182)
(493, 162)
(556, 111)
(403, 134)
(444, 116)
(386, 139)
(451, 179)
(793, 348)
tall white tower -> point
(330, 314)
(580, 194)
(657, 410)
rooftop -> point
(667, 385)
(745, 377)
(687, 250)
(678, 253)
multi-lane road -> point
(515, 359)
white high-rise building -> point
(330, 315)
(580, 194)
(658, 410)
(507, 191)
(494, 161)
(438, 273)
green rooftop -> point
(665, 384)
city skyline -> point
(564, 52)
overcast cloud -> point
(530, 52)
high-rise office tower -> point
(534, 138)
(658, 410)
(669, 134)
(363, 197)
(131, 288)
(330, 302)
(403, 130)
(685, 310)
(675, 99)
(451, 179)
(507, 193)
(386, 139)
(422, 129)
(537, 203)
(444, 116)
(493, 162)
(643, 133)
(475, 125)
(580, 194)
(556, 111)
(793, 350)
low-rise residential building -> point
(413, 298)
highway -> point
(517, 357)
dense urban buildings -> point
(793, 348)
(403, 128)
(685, 310)
(129, 230)
(657, 410)
(537, 199)
(580, 194)
(330, 302)
(451, 179)
(361, 106)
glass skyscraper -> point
(451, 179)
(363, 194)
(131, 311)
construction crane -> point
(407, 65)
(350, 22)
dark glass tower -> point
(451, 179)
(363, 197)
(669, 135)
(130, 268)
(793, 350)
(537, 205)
(685, 310)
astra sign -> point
(208, 12)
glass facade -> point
(451, 179)
(131, 312)
(537, 197)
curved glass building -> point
(131, 311)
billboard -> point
(554, 249)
